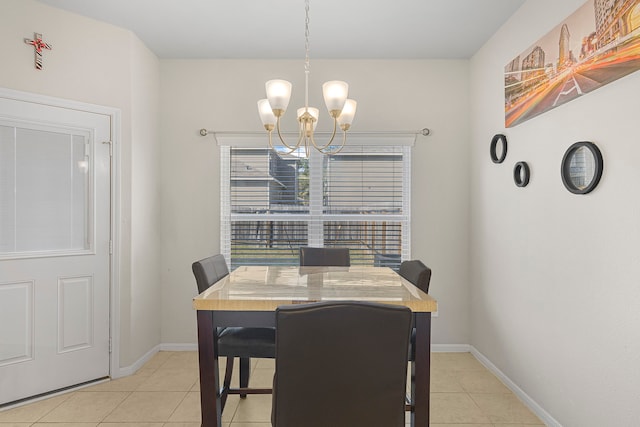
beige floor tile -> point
(481, 382)
(519, 425)
(451, 408)
(250, 424)
(265, 364)
(464, 394)
(128, 383)
(187, 425)
(170, 380)
(131, 425)
(188, 410)
(261, 378)
(460, 425)
(158, 360)
(504, 408)
(445, 381)
(182, 360)
(147, 406)
(32, 412)
(231, 407)
(256, 408)
(455, 362)
(86, 407)
(65, 424)
(541, 424)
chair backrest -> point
(338, 257)
(341, 364)
(417, 273)
(209, 270)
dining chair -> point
(351, 370)
(315, 257)
(419, 275)
(243, 343)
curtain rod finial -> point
(425, 132)
(204, 132)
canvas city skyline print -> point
(597, 44)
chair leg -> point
(226, 384)
(245, 367)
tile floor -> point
(165, 393)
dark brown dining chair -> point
(315, 257)
(419, 275)
(243, 343)
(351, 370)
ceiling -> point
(274, 29)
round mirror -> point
(582, 167)
(521, 174)
(498, 148)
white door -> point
(54, 247)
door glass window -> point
(45, 183)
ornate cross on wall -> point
(38, 44)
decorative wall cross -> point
(38, 44)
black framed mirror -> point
(582, 167)
(521, 174)
(498, 149)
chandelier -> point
(341, 109)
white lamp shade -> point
(315, 113)
(348, 112)
(335, 94)
(266, 114)
(278, 94)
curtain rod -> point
(423, 132)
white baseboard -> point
(450, 348)
(524, 397)
(131, 369)
(179, 347)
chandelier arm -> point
(344, 140)
(291, 150)
(328, 144)
(289, 147)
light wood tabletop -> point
(264, 288)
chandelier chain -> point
(306, 36)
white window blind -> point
(273, 203)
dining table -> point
(249, 296)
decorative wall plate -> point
(582, 167)
(521, 174)
(498, 149)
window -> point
(273, 203)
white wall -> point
(554, 276)
(392, 95)
(100, 64)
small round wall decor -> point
(582, 166)
(498, 149)
(521, 174)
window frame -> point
(315, 218)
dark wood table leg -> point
(209, 376)
(421, 369)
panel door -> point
(54, 248)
